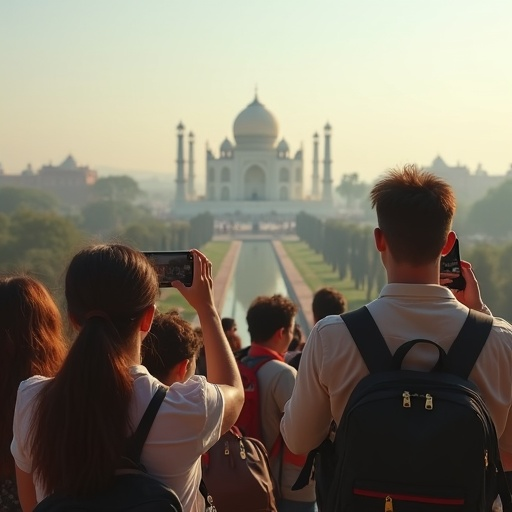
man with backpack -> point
(268, 383)
(415, 211)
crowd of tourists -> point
(71, 398)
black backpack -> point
(413, 441)
(133, 489)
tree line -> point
(349, 248)
(36, 237)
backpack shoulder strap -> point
(469, 343)
(256, 362)
(136, 442)
(368, 339)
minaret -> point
(327, 181)
(315, 193)
(190, 184)
(180, 167)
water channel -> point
(257, 273)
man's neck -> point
(409, 274)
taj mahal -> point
(255, 174)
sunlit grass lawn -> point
(316, 273)
(171, 298)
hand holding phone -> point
(172, 266)
(451, 269)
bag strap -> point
(460, 359)
(136, 442)
(368, 339)
(469, 343)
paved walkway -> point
(302, 294)
(225, 273)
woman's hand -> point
(200, 294)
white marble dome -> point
(255, 127)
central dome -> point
(255, 127)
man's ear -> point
(147, 318)
(380, 241)
(450, 240)
(182, 368)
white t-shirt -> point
(188, 423)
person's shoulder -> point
(278, 369)
(194, 387)
(28, 391)
(502, 325)
(330, 321)
(32, 385)
(331, 327)
(501, 331)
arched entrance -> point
(254, 184)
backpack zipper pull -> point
(429, 402)
(388, 504)
(226, 448)
(243, 456)
(406, 399)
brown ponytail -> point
(81, 419)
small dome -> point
(283, 146)
(69, 163)
(226, 146)
(255, 127)
(438, 163)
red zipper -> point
(409, 497)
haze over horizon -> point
(399, 81)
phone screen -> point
(451, 268)
(172, 266)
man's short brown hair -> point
(328, 301)
(415, 211)
(266, 315)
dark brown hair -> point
(266, 315)
(328, 301)
(170, 341)
(32, 341)
(81, 420)
(415, 211)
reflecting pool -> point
(257, 273)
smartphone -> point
(451, 268)
(172, 266)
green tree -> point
(108, 217)
(484, 259)
(13, 198)
(40, 243)
(351, 188)
(117, 188)
(491, 215)
(4, 230)
(147, 235)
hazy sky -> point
(398, 80)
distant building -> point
(468, 187)
(255, 174)
(69, 183)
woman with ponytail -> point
(69, 431)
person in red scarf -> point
(271, 322)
